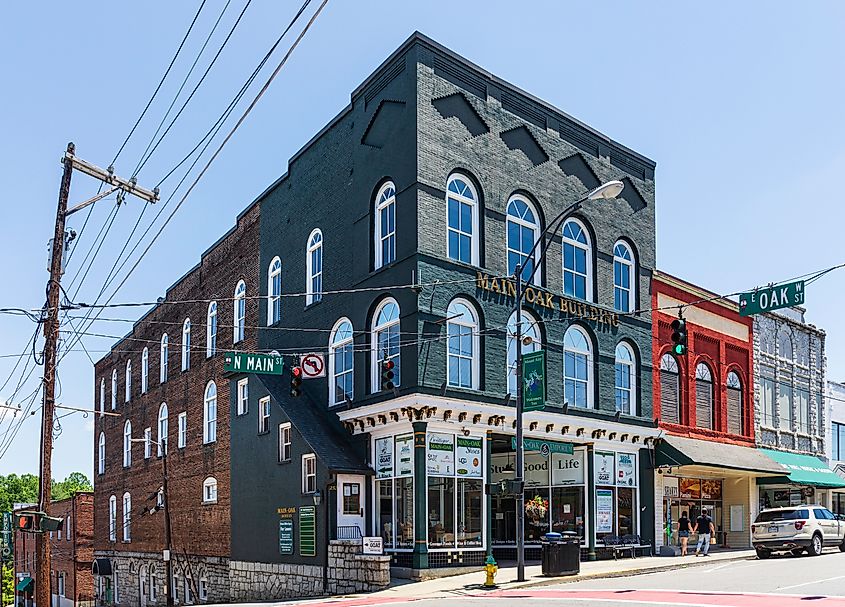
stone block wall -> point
(350, 571)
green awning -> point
(682, 451)
(801, 470)
(26, 584)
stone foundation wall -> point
(350, 571)
(266, 581)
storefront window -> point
(394, 488)
(568, 510)
(536, 513)
(469, 512)
(385, 511)
(441, 505)
(626, 512)
(616, 494)
(405, 512)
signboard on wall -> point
(544, 447)
(307, 531)
(468, 456)
(690, 488)
(605, 468)
(440, 454)
(670, 486)
(626, 469)
(711, 489)
(405, 455)
(286, 536)
(384, 457)
(604, 510)
(534, 381)
(568, 469)
(372, 545)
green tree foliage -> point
(74, 483)
(8, 585)
(17, 489)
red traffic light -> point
(388, 365)
(295, 381)
(26, 522)
(296, 371)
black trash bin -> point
(561, 555)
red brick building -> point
(187, 403)
(72, 551)
(704, 401)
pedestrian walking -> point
(683, 531)
(706, 529)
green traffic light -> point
(680, 349)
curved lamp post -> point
(611, 189)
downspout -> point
(326, 502)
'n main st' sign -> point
(248, 362)
(771, 298)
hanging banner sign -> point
(534, 381)
(384, 457)
(468, 457)
(440, 454)
(405, 455)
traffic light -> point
(38, 522)
(387, 374)
(51, 523)
(295, 381)
(679, 336)
(25, 521)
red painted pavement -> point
(673, 597)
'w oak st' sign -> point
(771, 298)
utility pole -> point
(168, 552)
(43, 591)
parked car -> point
(797, 529)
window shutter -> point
(734, 411)
(703, 404)
(669, 397)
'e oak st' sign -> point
(771, 298)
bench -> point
(625, 544)
(636, 543)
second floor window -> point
(114, 389)
(523, 229)
(127, 517)
(670, 390)
(577, 261)
(385, 225)
(164, 359)
(113, 518)
(309, 473)
(128, 390)
(837, 441)
(703, 397)
(148, 443)
(341, 363)
(577, 368)
(162, 429)
(101, 454)
(102, 396)
(211, 330)
(462, 220)
(735, 413)
(462, 347)
(186, 344)
(264, 415)
(385, 339)
(626, 378)
(239, 312)
(274, 292)
(284, 442)
(243, 396)
(314, 268)
(209, 490)
(209, 431)
(182, 437)
(127, 444)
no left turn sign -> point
(313, 366)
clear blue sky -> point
(740, 104)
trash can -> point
(561, 555)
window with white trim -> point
(530, 329)
(341, 363)
(102, 396)
(164, 358)
(523, 229)
(211, 330)
(113, 518)
(243, 396)
(462, 220)
(203, 589)
(153, 589)
(670, 389)
(148, 443)
(127, 517)
(624, 278)
(703, 397)
(274, 291)
(239, 312)
(309, 473)
(785, 349)
(182, 436)
(61, 580)
(385, 342)
(128, 390)
(577, 261)
(209, 426)
(189, 593)
(186, 344)
(175, 588)
(114, 389)
(462, 345)
(162, 429)
(735, 412)
(626, 379)
(127, 444)
(314, 268)
(101, 454)
(577, 368)
(145, 370)
(284, 442)
(209, 490)
(264, 415)
(385, 226)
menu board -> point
(604, 464)
(405, 455)
(690, 488)
(440, 454)
(604, 510)
(568, 469)
(384, 457)
(626, 469)
(468, 456)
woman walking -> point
(683, 532)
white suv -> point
(796, 529)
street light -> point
(611, 189)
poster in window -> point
(405, 455)
(468, 456)
(568, 469)
(440, 454)
(604, 510)
(626, 469)
(670, 486)
(384, 457)
(711, 489)
(690, 488)
(605, 474)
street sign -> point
(534, 381)
(313, 366)
(248, 362)
(771, 298)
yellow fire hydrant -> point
(490, 568)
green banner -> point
(286, 536)
(771, 298)
(246, 362)
(544, 447)
(534, 381)
(307, 531)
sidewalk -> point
(506, 578)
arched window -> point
(209, 490)
(626, 378)
(211, 330)
(385, 341)
(127, 444)
(385, 225)
(274, 291)
(523, 229)
(462, 345)
(145, 370)
(239, 312)
(101, 454)
(577, 261)
(314, 268)
(785, 345)
(735, 416)
(186, 344)
(114, 389)
(577, 368)
(341, 363)
(128, 391)
(703, 396)
(113, 518)
(209, 415)
(127, 517)
(624, 278)
(162, 374)
(462, 215)
(162, 428)
(670, 390)
(530, 329)
(102, 396)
